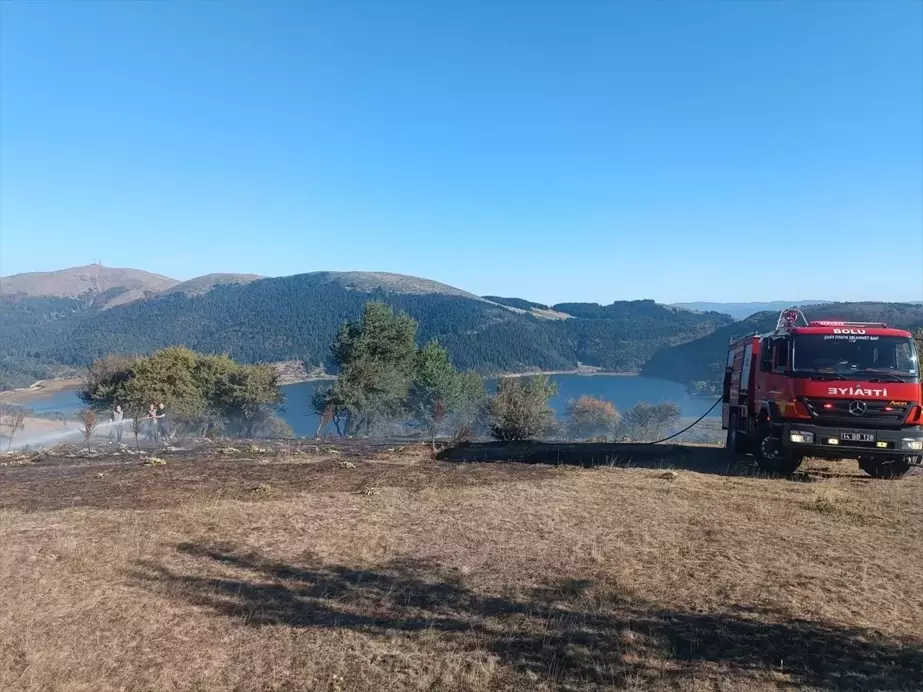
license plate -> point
(857, 437)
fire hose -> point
(688, 427)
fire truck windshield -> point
(862, 356)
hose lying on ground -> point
(677, 434)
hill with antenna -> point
(94, 282)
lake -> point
(62, 401)
(622, 390)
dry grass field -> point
(361, 568)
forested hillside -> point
(704, 359)
(297, 317)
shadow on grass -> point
(577, 634)
(712, 460)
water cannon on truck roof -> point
(825, 389)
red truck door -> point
(776, 387)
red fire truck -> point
(825, 389)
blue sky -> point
(554, 151)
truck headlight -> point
(801, 437)
(912, 443)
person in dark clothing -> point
(163, 429)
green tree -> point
(520, 409)
(166, 376)
(106, 381)
(436, 389)
(213, 375)
(589, 416)
(249, 398)
(471, 411)
(377, 357)
(203, 392)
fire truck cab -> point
(825, 389)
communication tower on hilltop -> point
(94, 276)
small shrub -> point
(520, 409)
(272, 426)
(12, 419)
(648, 422)
(591, 417)
(463, 435)
(89, 420)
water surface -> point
(622, 390)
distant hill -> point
(105, 287)
(704, 358)
(369, 282)
(203, 284)
(296, 318)
(89, 282)
(518, 303)
(528, 307)
(621, 309)
(741, 310)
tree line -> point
(388, 384)
(386, 379)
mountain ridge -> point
(206, 282)
(743, 309)
(296, 318)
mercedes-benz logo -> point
(857, 408)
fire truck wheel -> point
(736, 443)
(771, 457)
(884, 468)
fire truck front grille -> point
(841, 411)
